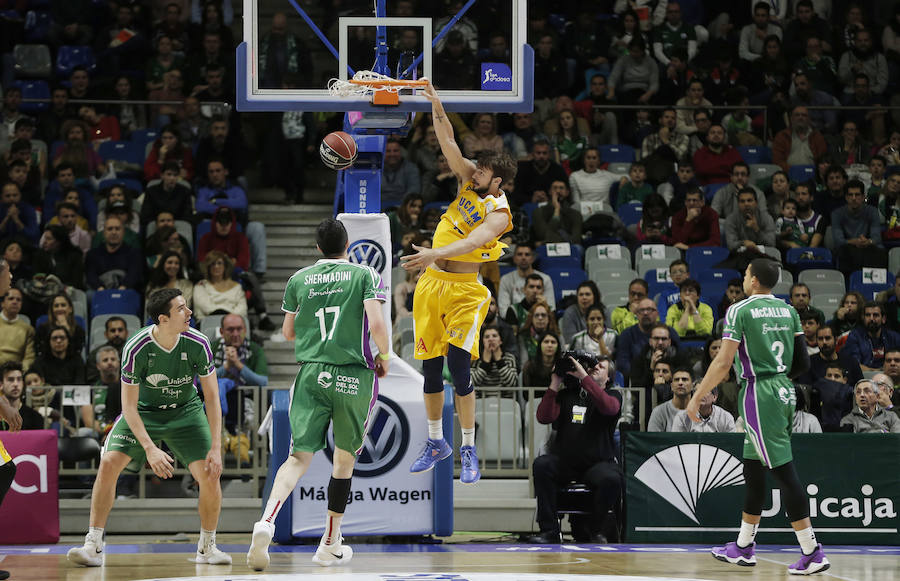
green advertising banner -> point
(689, 488)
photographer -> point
(583, 413)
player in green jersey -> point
(764, 339)
(331, 308)
(160, 403)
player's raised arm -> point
(443, 129)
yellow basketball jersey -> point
(466, 213)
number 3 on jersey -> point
(336, 311)
(777, 348)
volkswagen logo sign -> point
(368, 253)
(384, 443)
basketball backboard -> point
(474, 52)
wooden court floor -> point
(151, 558)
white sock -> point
(207, 538)
(807, 539)
(747, 534)
(272, 508)
(332, 534)
(468, 437)
(96, 534)
(436, 429)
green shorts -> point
(767, 406)
(185, 432)
(324, 393)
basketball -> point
(338, 150)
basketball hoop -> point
(384, 89)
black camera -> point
(564, 364)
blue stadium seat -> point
(755, 154)
(37, 25)
(631, 212)
(124, 151)
(565, 280)
(868, 288)
(616, 153)
(70, 56)
(700, 258)
(34, 90)
(714, 281)
(143, 137)
(799, 259)
(554, 255)
(710, 190)
(801, 173)
(114, 301)
(529, 209)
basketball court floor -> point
(144, 559)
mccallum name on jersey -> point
(496, 77)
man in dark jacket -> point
(583, 412)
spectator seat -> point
(800, 259)
(801, 173)
(616, 153)
(33, 90)
(70, 56)
(755, 154)
(700, 258)
(862, 281)
(116, 301)
(631, 212)
(32, 61)
(97, 335)
(565, 280)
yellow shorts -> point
(4, 455)
(448, 309)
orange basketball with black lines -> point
(338, 150)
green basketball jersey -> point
(765, 327)
(331, 324)
(672, 40)
(166, 378)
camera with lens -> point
(564, 364)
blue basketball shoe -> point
(469, 474)
(434, 452)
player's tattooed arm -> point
(443, 130)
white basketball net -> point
(342, 88)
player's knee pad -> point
(433, 370)
(755, 489)
(338, 493)
(460, 363)
(796, 503)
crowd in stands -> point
(762, 130)
(104, 200)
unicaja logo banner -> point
(689, 488)
(496, 77)
(682, 474)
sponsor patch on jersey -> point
(184, 356)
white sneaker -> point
(90, 555)
(211, 555)
(336, 554)
(258, 555)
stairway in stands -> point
(290, 233)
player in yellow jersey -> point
(8, 414)
(450, 304)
